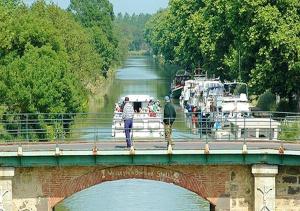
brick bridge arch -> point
(181, 176)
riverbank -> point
(97, 97)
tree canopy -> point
(254, 41)
(51, 60)
(97, 17)
(68, 50)
(132, 27)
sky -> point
(129, 6)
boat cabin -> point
(139, 102)
(147, 118)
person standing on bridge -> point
(127, 116)
(169, 118)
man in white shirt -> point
(127, 116)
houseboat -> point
(147, 119)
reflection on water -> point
(134, 195)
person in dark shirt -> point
(169, 118)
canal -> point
(139, 75)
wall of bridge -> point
(43, 188)
(288, 189)
(228, 187)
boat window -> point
(244, 114)
(137, 106)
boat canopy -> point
(138, 98)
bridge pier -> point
(264, 186)
(6, 175)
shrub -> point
(266, 101)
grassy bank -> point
(96, 98)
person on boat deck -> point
(169, 118)
(122, 106)
(117, 107)
(127, 116)
(186, 96)
(155, 107)
(194, 119)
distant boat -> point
(180, 79)
(178, 84)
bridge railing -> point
(205, 127)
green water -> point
(134, 195)
(140, 75)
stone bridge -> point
(237, 181)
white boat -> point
(231, 106)
(147, 119)
(192, 91)
(235, 105)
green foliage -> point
(97, 17)
(36, 68)
(53, 90)
(4, 135)
(92, 13)
(84, 61)
(123, 43)
(132, 28)
(286, 106)
(266, 101)
(257, 42)
(49, 63)
(290, 131)
(160, 36)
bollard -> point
(20, 150)
(281, 150)
(206, 148)
(95, 150)
(132, 150)
(245, 149)
(170, 150)
(57, 150)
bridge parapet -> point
(208, 153)
(59, 127)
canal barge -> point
(147, 119)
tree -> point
(133, 30)
(49, 63)
(97, 16)
(252, 41)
